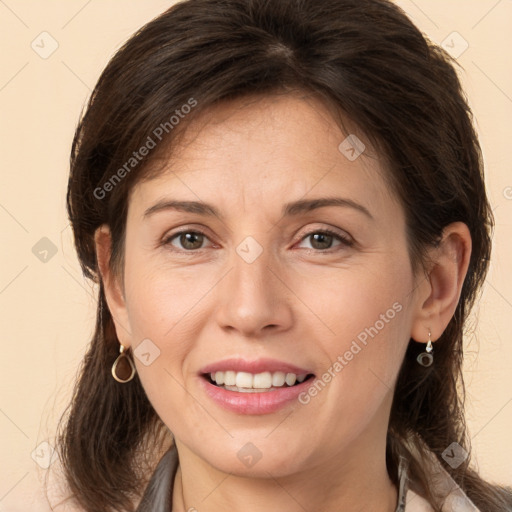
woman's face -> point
(260, 282)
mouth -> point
(261, 386)
(245, 382)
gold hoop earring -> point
(426, 358)
(123, 369)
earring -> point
(426, 358)
(123, 369)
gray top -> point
(158, 494)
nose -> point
(253, 298)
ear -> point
(114, 292)
(438, 294)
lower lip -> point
(265, 402)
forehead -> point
(262, 150)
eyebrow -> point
(184, 206)
(307, 205)
(289, 210)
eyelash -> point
(344, 240)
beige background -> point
(46, 307)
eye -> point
(189, 240)
(322, 240)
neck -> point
(351, 481)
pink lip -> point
(258, 366)
(254, 403)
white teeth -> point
(262, 380)
(278, 379)
(243, 380)
(249, 381)
(229, 378)
(290, 379)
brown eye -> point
(322, 240)
(189, 240)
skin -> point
(299, 301)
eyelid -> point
(166, 239)
(343, 237)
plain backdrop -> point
(52, 53)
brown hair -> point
(367, 59)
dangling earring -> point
(426, 358)
(123, 369)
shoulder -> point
(158, 494)
(454, 502)
(415, 503)
(449, 496)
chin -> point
(260, 458)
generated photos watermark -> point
(151, 142)
(343, 360)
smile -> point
(263, 386)
(245, 382)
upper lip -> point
(255, 366)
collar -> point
(158, 494)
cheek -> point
(365, 354)
(348, 301)
(159, 311)
(364, 324)
(160, 298)
(167, 308)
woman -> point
(283, 204)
